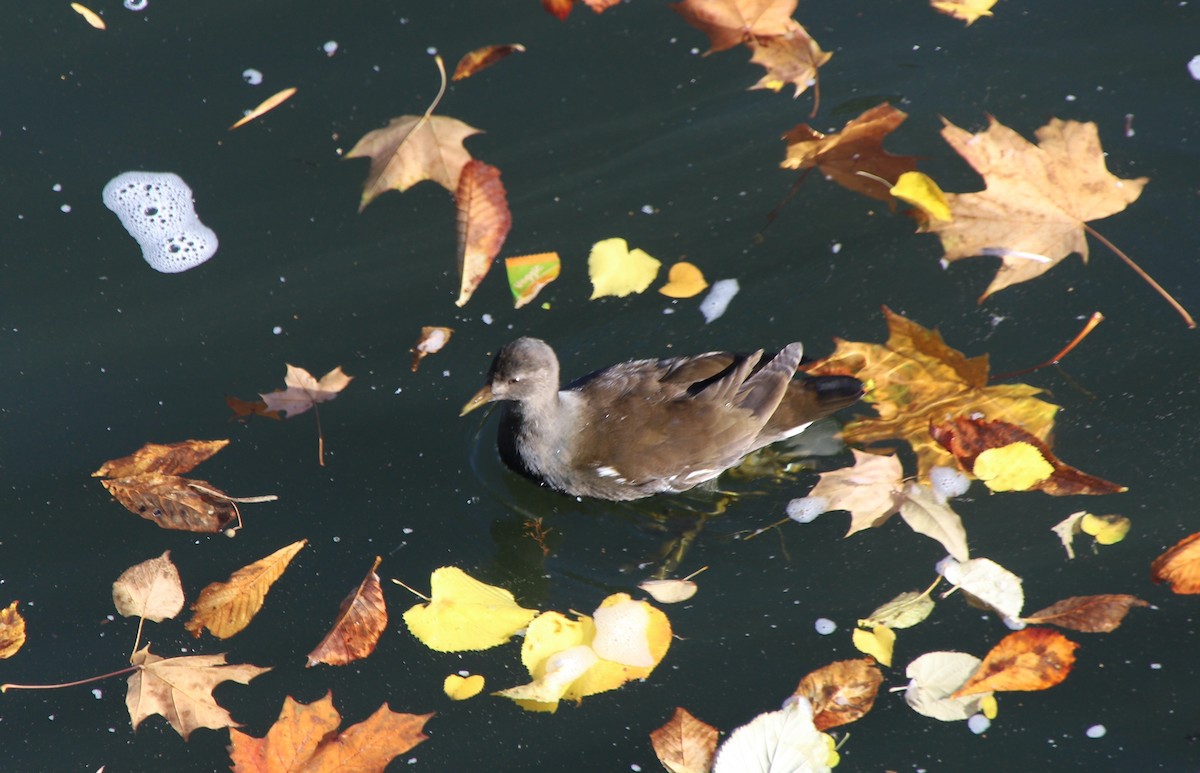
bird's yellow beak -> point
(482, 397)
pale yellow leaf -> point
(616, 270)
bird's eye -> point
(515, 380)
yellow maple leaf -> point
(616, 270)
(465, 614)
(1014, 467)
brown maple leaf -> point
(561, 9)
(1038, 198)
(305, 739)
(915, 378)
(730, 22)
(483, 224)
(362, 619)
(225, 608)
(792, 57)
(304, 392)
(180, 689)
(410, 149)
(854, 158)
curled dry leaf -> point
(483, 224)
(307, 738)
(1066, 530)
(150, 590)
(1179, 566)
(969, 439)
(528, 274)
(225, 608)
(362, 619)
(841, 692)
(12, 631)
(180, 689)
(410, 149)
(1090, 614)
(854, 158)
(685, 744)
(482, 58)
(172, 502)
(932, 516)
(167, 459)
(933, 678)
(431, 341)
(266, 106)
(1031, 659)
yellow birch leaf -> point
(1107, 529)
(12, 631)
(89, 15)
(683, 281)
(616, 270)
(266, 106)
(923, 193)
(459, 688)
(225, 608)
(877, 642)
(465, 614)
(1014, 467)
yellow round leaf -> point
(616, 270)
(1014, 467)
(989, 706)
(683, 281)
(1107, 529)
(465, 614)
(459, 688)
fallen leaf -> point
(243, 408)
(965, 10)
(167, 459)
(528, 274)
(89, 15)
(1032, 659)
(1107, 529)
(1179, 566)
(431, 341)
(303, 391)
(927, 514)
(987, 581)
(685, 744)
(306, 739)
(180, 689)
(483, 224)
(785, 740)
(1090, 614)
(854, 158)
(465, 614)
(878, 642)
(460, 688)
(1037, 200)
(969, 439)
(933, 679)
(616, 270)
(12, 631)
(841, 692)
(904, 611)
(923, 193)
(411, 149)
(225, 608)
(683, 281)
(172, 502)
(728, 23)
(1066, 530)
(916, 378)
(151, 590)
(560, 9)
(791, 57)
(266, 106)
(362, 619)
(482, 58)
(669, 591)
(868, 490)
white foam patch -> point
(156, 209)
(718, 298)
(621, 634)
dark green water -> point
(603, 116)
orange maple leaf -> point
(792, 57)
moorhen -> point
(649, 426)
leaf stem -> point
(320, 436)
(121, 672)
(416, 593)
(1094, 320)
(1145, 277)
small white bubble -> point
(824, 626)
(835, 248)
(97, 693)
(406, 530)
(277, 330)
(57, 187)
(337, 539)
(65, 207)
(486, 319)
(1070, 97)
(137, 5)
(1194, 67)
(1096, 731)
(252, 76)
(806, 509)
(431, 50)
(979, 724)
(330, 48)
(1156, 666)
(648, 209)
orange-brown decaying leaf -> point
(172, 502)
(411, 149)
(792, 57)
(225, 608)
(482, 58)
(483, 223)
(915, 378)
(1090, 614)
(685, 744)
(305, 739)
(1179, 566)
(244, 408)
(362, 619)
(303, 391)
(180, 689)
(1031, 659)
(842, 691)
(432, 339)
(858, 147)
(967, 438)
(730, 22)
(12, 631)
(1037, 200)
(168, 459)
